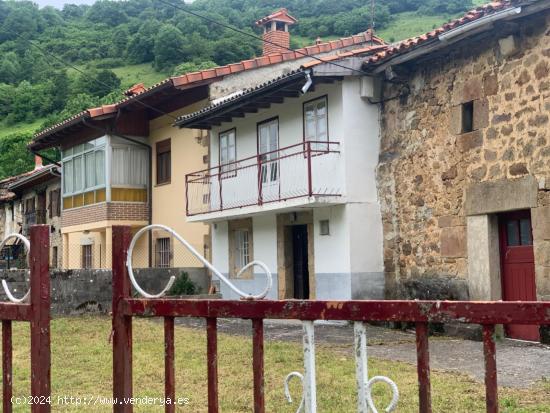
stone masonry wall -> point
(427, 165)
(82, 291)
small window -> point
(518, 232)
(316, 121)
(164, 162)
(228, 152)
(242, 245)
(324, 227)
(163, 252)
(87, 256)
(54, 257)
(467, 117)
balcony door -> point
(268, 146)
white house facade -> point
(292, 183)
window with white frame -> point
(129, 166)
(84, 167)
(163, 252)
(242, 248)
(228, 151)
(316, 120)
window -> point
(324, 227)
(162, 252)
(87, 256)
(129, 166)
(55, 203)
(54, 257)
(241, 251)
(316, 120)
(164, 162)
(228, 151)
(84, 167)
(242, 257)
(518, 232)
(467, 117)
(268, 145)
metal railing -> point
(421, 313)
(306, 169)
(34, 308)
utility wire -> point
(253, 36)
(100, 82)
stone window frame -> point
(235, 226)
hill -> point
(115, 44)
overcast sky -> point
(59, 3)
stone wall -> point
(430, 172)
(81, 291)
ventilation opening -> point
(467, 117)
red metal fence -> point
(37, 314)
(421, 313)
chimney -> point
(37, 162)
(276, 36)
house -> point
(464, 166)
(29, 199)
(103, 148)
(292, 183)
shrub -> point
(183, 286)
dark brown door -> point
(300, 262)
(518, 267)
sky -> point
(59, 3)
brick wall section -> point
(107, 211)
(427, 165)
(279, 38)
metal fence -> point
(421, 313)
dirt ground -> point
(519, 364)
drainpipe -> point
(149, 178)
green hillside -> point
(115, 44)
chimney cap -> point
(38, 162)
(280, 15)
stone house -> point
(464, 166)
(29, 199)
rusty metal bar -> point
(40, 321)
(258, 364)
(7, 370)
(423, 368)
(169, 368)
(212, 361)
(528, 312)
(489, 350)
(122, 323)
(15, 312)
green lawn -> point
(20, 127)
(142, 73)
(81, 367)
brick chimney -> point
(276, 36)
(37, 162)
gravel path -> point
(519, 364)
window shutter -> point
(50, 204)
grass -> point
(81, 367)
(409, 24)
(20, 127)
(142, 73)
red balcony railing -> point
(303, 170)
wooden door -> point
(518, 267)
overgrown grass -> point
(20, 127)
(81, 366)
(142, 73)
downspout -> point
(149, 177)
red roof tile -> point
(408, 44)
(280, 15)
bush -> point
(183, 286)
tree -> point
(189, 67)
(234, 48)
(98, 83)
(9, 68)
(169, 47)
(140, 46)
(107, 12)
(14, 156)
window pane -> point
(525, 231)
(90, 169)
(77, 149)
(119, 167)
(68, 177)
(100, 167)
(77, 174)
(512, 233)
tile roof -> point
(197, 78)
(10, 182)
(407, 45)
(280, 15)
(343, 55)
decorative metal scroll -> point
(27, 245)
(207, 264)
(365, 404)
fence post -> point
(122, 325)
(40, 318)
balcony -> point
(303, 174)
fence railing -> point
(37, 313)
(301, 170)
(421, 313)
